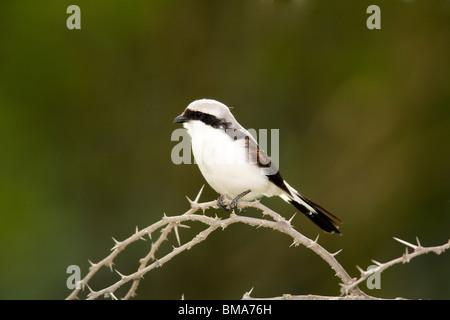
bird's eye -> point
(198, 114)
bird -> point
(234, 165)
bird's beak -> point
(180, 119)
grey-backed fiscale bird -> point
(235, 167)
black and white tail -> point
(321, 217)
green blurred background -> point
(86, 120)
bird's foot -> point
(222, 204)
(235, 202)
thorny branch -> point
(349, 285)
(405, 258)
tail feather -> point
(321, 217)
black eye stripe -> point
(206, 118)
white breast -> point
(224, 163)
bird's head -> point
(207, 111)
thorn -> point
(182, 296)
(406, 258)
(247, 294)
(116, 244)
(91, 263)
(290, 220)
(418, 242)
(90, 289)
(184, 226)
(377, 263)
(110, 265)
(317, 238)
(121, 275)
(360, 269)
(158, 263)
(190, 201)
(199, 194)
(175, 227)
(137, 232)
(113, 296)
(295, 243)
(223, 226)
(336, 253)
(149, 235)
(406, 243)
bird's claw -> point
(235, 202)
(222, 204)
